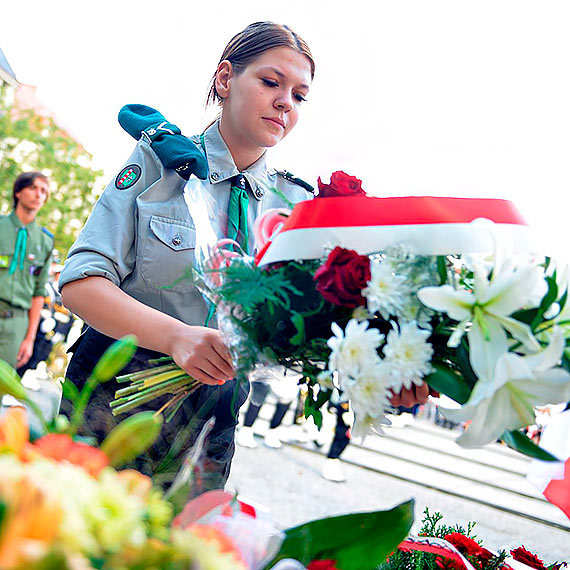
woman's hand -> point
(201, 353)
(409, 398)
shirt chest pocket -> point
(168, 254)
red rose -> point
(343, 276)
(341, 184)
(467, 546)
(521, 554)
(322, 565)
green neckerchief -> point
(237, 212)
(19, 250)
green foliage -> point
(358, 541)
(249, 286)
(431, 526)
(30, 142)
(520, 442)
(449, 383)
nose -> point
(284, 101)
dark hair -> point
(254, 40)
(24, 180)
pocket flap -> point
(173, 233)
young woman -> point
(124, 274)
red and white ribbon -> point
(427, 225)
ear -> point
(224, 75)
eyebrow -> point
(282, 76)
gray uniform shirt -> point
(143, 238)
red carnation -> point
(467, 546)
(343, 276)
(521, 554)
(448, 563)
(341, 184)
(322, 565)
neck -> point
(25, 215)
(243, 154)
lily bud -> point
(132, 437)
(115, 358)
(10, 382)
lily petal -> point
(457, 304)
(486, 346)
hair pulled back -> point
(250, 43)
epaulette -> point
(46, 231)
(291, 178)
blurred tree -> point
(29, 141)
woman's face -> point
(262, 103)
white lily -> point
(506, 401)
(485, 312)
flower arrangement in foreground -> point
(442, 547)
(488, 330)
(68, 505)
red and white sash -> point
(427, 225)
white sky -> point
(438, 97)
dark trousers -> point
(341, 433)
(165, 457)
(259, 391)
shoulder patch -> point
(128, 176)
(291, 178)
(46, 231)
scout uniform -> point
(141, 236)
(25, 254)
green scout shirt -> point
(141, 236)
(20, 287)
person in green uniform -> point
(124, 274)
(25, 256)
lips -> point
(275, 121)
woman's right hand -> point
(201, 353)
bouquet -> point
(442, 547)
(66, 504)
(369, 296)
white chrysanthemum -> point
(386, 292)
(408, 355)
(368, 391)
(368, 395)
(353, 350)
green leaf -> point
(70, 391)
(547, 300)
(10, 382)
(449, 383)
(298, 320)
(442, 269)
(358, 541)
(520, 442)
(3, 511)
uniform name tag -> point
(4, 261)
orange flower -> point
(14, 432)
(62, 448)
(223, 543)
(31, 521)
(137, 483)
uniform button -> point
(176, 240)
(258, 192)
(215, 176)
